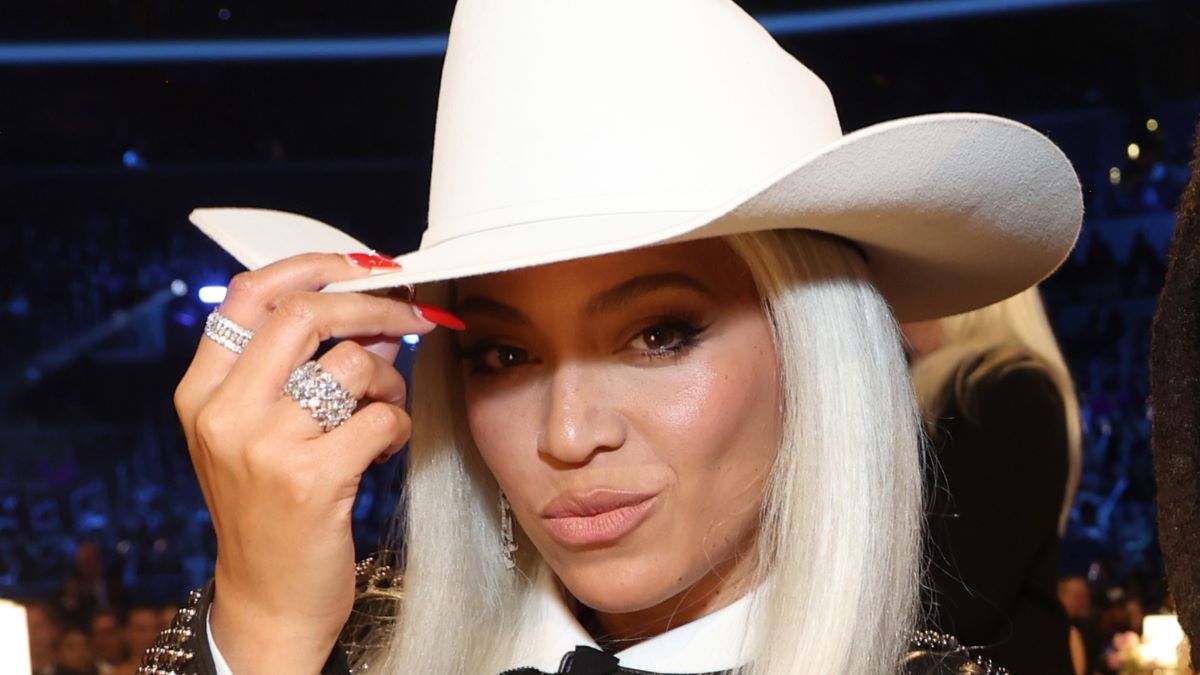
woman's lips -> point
(595, 517)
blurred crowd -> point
(90, 627)
(1101, 304)
(1109, 619)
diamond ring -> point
(227, 332)
(316, 391)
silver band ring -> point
(227, 332)
(316, 391)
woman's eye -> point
(499, 357)
(665, 338)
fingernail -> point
(439, 316)
(372, 261)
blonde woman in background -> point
(1004, 422)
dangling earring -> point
(508, 544)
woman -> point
(1005, 423)
(677, 425)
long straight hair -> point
(997, 339)
(839, 558)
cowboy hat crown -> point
(572, 129)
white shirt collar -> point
(721, 640)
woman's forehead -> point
(710, 261)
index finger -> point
(251, 296)
(301, 321)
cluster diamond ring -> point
(317, 392)
(227, 332)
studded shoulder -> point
(174, 651)
(182, 649)
(379, 591)
(933, 653)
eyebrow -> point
(625, 291)
(602, 302)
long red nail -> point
(439, 316)
(372, 261)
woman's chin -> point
(620, 603)
(620, 588)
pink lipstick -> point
(595, 517)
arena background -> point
(118, 117)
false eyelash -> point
(473, 356)
(690, 337)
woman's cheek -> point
(500, 425)
(691, 401)
(702, 403)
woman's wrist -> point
(253, 641)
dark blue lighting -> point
(132, 160)
(18, 306)
(424, 46)
(202, 51)
(896, 13)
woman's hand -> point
(280, 491)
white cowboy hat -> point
(574, 129)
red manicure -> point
(439, 316)
(372, 261)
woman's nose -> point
(581, 418)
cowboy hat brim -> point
(952, 211)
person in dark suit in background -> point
(1175, 396)
(90, 589)
(1003, 423)
(1075, 594)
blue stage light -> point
(212, 295)
(132, 160)
(802, 22)
(179, 288)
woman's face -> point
(922, 338)
(628, 407)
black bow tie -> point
(588, 661)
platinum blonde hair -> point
(997, 339)
(839, 536)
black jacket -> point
(993, 521)
(183, 649)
